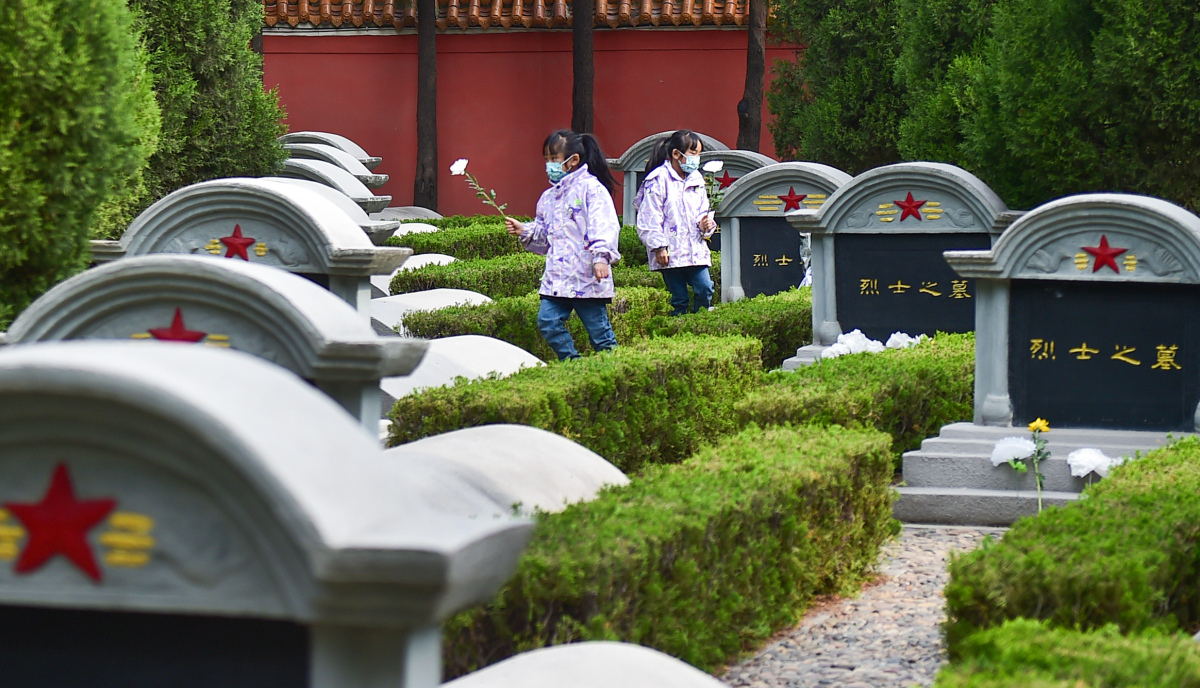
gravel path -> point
(887, 637)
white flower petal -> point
(1087, 460)
(901, 340)
(1012, 449)
(713, 166)
(459, 166)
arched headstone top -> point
(378, 230)
(781, 187)
(258, 221)
(335, 140)
(268, 313)
(1093, 237)
(221, 500)
(635, 159)
(339, 157)
(331, 175)
(910, 197)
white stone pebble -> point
(887, 637)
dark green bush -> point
(907, 393)
(1024, 653)
(701, 560)
(514, 319)
(1127, 554)
(633, 251)
(73, 135)
(654, 401)
(457, 221)
(484, 238)
(782, 322)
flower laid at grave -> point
(855, 342)
(1021, 454)
(487, 196)
(1090, 460)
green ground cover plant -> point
(907, 393)
(1128, 554)
(701, 559)
(654, 401)
(1024, 653)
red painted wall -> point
(500, 94)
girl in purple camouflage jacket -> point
(673, 220)
(576, 229)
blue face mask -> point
(690, 164)
(555, 171)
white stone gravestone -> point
(734, 165)
(268, 313)
(389, 311)
(409, 212)
(193, 517)
(383, 283)
(446, 359)
(335, 140)
(633, 164)
(378, 230)
(336, 156)
(334, 176)
(589, 665)
(260, 221)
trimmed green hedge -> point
(1126, 554)
(514, 319)
(782, 322)
(700, 560)
(655, 401)
(485, 238)
(907, 393)
(1028, 654)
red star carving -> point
(59, 524)
(725, 180)
(176, 332)
(237, 244)
(1105, 254)
(792, 200)
(910, 207)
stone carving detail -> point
(858, 219)
(1162, 263)
(290, 255)
(960, 218)
(1042, 261)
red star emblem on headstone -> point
(725, 180)
(910, 207)
(237, 244)
(59, 524)
(792, 200)
(176, 332)
(1105, 254)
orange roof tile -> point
(484, 14)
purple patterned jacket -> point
(668, 214)
(575, 226)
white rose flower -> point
(459, 166)
(713, 166)
(1012, 449)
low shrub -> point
(484, 238)
(514, 319)
(1128, 554)
(633, 251)
(782, 322)
(458, 221)
(907, 393)
(1024, 653)
(700, 560)
(655, 401)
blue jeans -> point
(552, 322)
(677, 281)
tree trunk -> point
(425, 187)
(582, 49)
(749, 108)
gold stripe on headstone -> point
(773, 198)
(767, 208)
(126, 540)
(886, 219)
(886, 212)
(1081, 261)
(934, 204)
(131, 522)
(140, 335)
(125, 559)
(820, 196)
(218, 337)
(773, 201)
(887, 205)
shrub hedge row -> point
(514, 319)
(1126, 554)
(1029, 654)
(655, 401)
(701, 559)
(907, 393)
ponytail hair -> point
(587, 148)
(683, 141)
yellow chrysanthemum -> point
(1039, 425)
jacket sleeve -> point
(534, 237)
(602, 231)
(650, 200)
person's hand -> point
(661, 256)
(513, 227)
(707, 224)
(602, 270)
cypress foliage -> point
(76, 125)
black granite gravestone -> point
(770, 257)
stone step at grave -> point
(972, 507)
(335, 140)
(317, 151)
(923, 470)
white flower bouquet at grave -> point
(1088, 460)
(855, 342)
(459, 168)
(1023, 454)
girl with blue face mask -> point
(576, 228)
(673, 221)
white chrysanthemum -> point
(1012, 449)
(459, 166)
(1087, 460)
(901, 340)
(713, 166)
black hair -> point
(569, 143)
(683, 141)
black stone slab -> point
(771, 261)
(1053, 376)
(901, 283)
(61, 647)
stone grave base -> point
(805, 355)
(951, 480)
